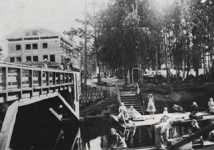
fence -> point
(94, 94)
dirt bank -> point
(184, 94)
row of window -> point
(18, 59)
(31, 46)
(33, 58)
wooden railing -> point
(21, 81)
(91, 95)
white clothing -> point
(211, 106)
(151, 106)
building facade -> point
(35, 46)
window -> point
(18, 47)
(28, 58)
(45, 57)
(35, 58)
(12, 59)
(52, 58)
(45, 45)
(27, 46)
(18, 59)
(35, 46)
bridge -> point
(38, 103)
(23, 82)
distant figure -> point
(194, 110)
(151, 105)
(177, 108)
(165, 111)
(164, 126)
(45, 65)
(211, 105)
(71, 66)
(138, 89)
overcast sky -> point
(57, 15)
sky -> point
(56, 15)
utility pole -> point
(85, 46)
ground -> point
(168, 94)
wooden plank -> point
(13, 97)
(36, 93)
(26, 95)
(8, 125)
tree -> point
(129, 33)
(82, 41)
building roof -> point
(31, 33)
(36, 33)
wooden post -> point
(6, 83)
(31, 82)
(76, 97)
(19, 82)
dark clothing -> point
(194, 109)
(116, 141)
(177, 108)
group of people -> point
(195, 107)
(126, 115)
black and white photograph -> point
(107, 75)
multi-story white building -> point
(34, 46)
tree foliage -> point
(178, 35)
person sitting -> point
(133, 113)
(193, 111)
(177, 108)
(195, 128)
(122, 108)
(211, 135)
(115, 140)
(195, 125)
(123, 114)
(194, 107)
(211, 105)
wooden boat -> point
(147, 136)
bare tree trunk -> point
(125, 75)
(183, 69)
(197, 73)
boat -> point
(147, 136)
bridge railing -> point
(21, 81)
